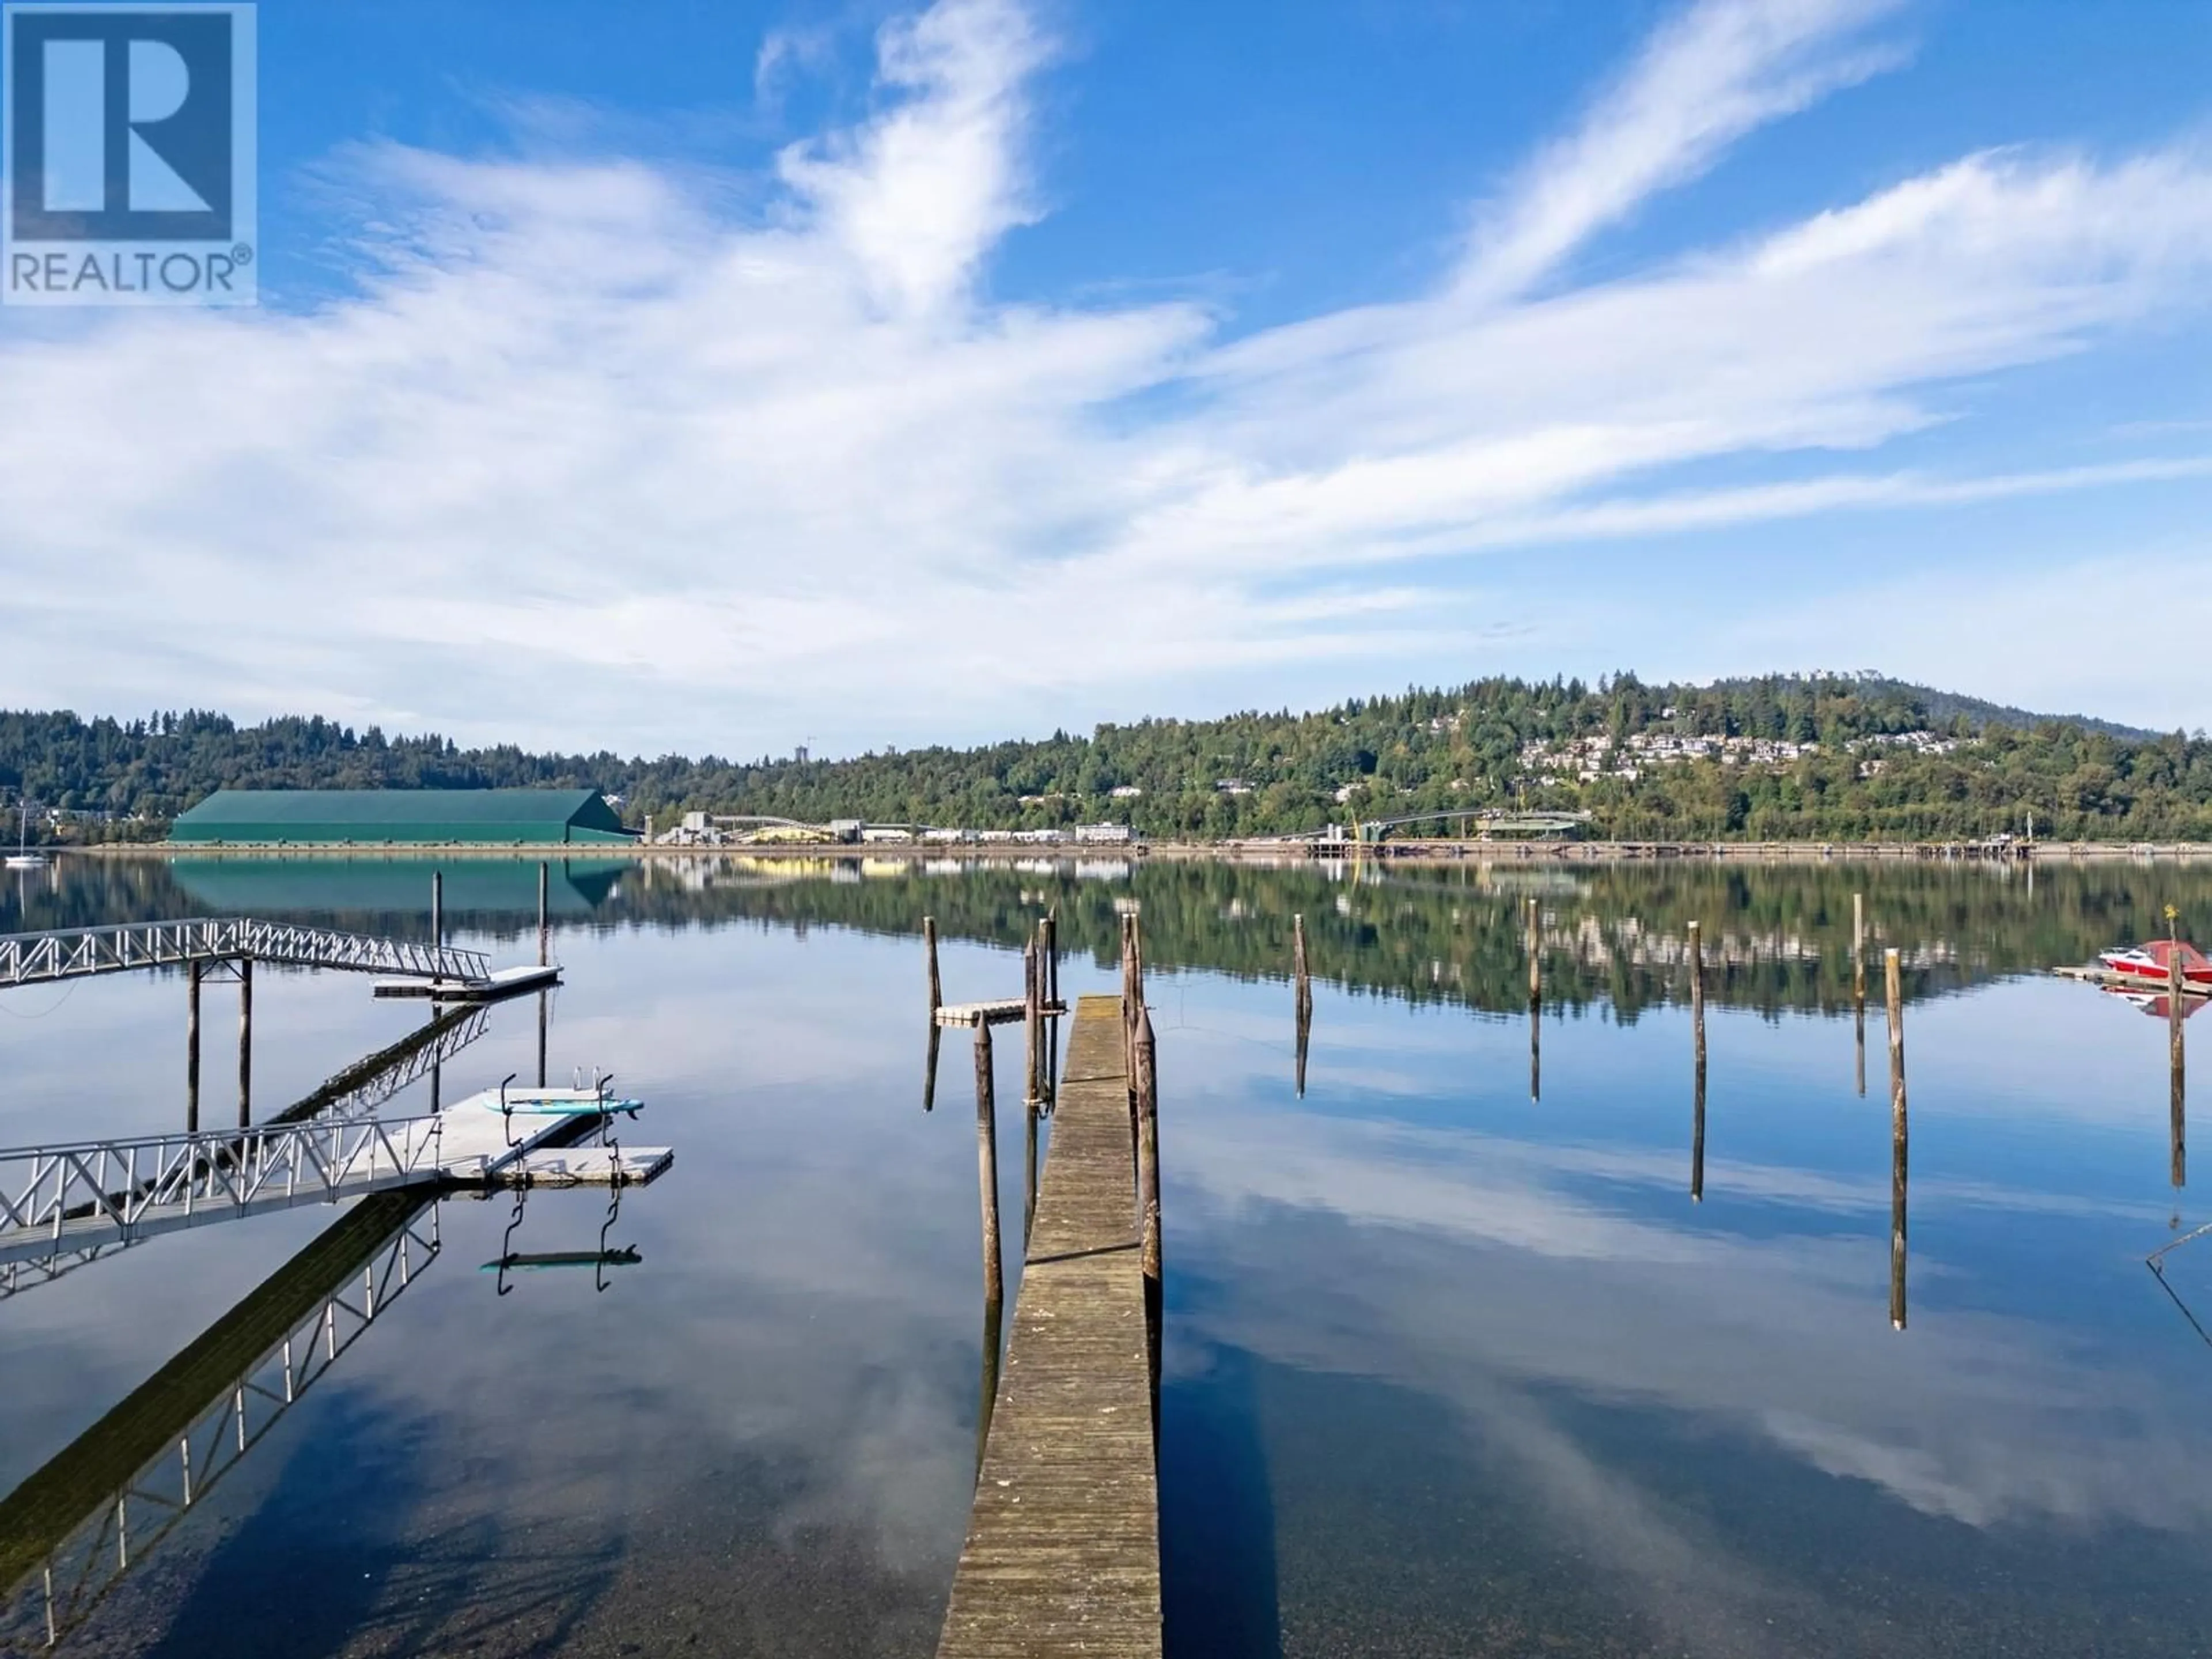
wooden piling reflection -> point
(193, 971)
(1893, 995)
(1301, 996)
(1304, 1017)
(245, 1041)
(987, 1163)
(1698, 1081)
(929, 1071)
(544, 1019)
(1858, 992)
(438, 909)
(1858, 1048)
(2178, 1110)
(1533, 942)
(1535, 1049)
(544, 934)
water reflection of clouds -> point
(1479, 1263)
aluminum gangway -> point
(78, 952)
(72, 1531)
(58, 1198)
(53, 1197)
(357, 1091)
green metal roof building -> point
(379, 818)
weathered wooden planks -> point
(1063, 1546)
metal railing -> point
(18, 1274)
(52, 1196)
(76, 952)
(121, 1525)
(28, 1274)
(365, 1097)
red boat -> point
(2150, 962)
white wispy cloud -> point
(599, 450)
(1709, 76)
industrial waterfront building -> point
(385, 818)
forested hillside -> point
(1824, 756)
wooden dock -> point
(2135, 982)
(1062, 1554)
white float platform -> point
(501, 983)
(587, 1166)
(1007, 1010)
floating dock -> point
(587, 1166)
(1006, 1010)
(2135, 982)
(494, 987)
(1062, 1555)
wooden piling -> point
(192, 972)
(1147, 1088)
(1698, 1045)
(1032, 1027)
(993, 1324)
(544, 932)
(1148, 1206)
(1030, 1119)
(987, 1159)
(2178, 1092)
(929, 944)
(1033, 987)
(1894, 993)
(1535, 956)
(1858, 949)
(1133, 1000)
(245, 1041)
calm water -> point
(1450, 1369)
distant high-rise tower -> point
(798, 754)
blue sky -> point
(690, 376)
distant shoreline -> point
(1258, 853)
